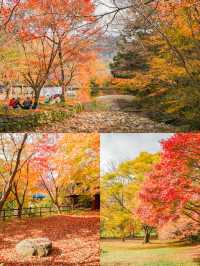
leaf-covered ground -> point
(75, 240)
(107, 121)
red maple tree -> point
(173, 187)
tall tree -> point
(121, 194)
(173, 187)
(12, 148)
(24, 185)
(45, 30)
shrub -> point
(94, 88)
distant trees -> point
(126, 62)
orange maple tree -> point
(51, 32)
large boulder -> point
(40, 247)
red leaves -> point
(7, 10)
(75, 240)
(173, 185)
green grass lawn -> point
(134, 253)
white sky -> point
(117, 148)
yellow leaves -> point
(77, 160)
(120, 194)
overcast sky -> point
(120, 147)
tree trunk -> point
(12, 177)
(147, 234)
(62, 98)
(96, 202)
(58, 208)
(36, 98)
(132, 235)
(146, 237)
(7, 92)
(123, 236)
(62, 73)
(19, 212)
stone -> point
(40, 247)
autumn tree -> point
(172, 189)
(166, 34)
(19, 154)
(76, 55)
(73, 170)
(72, 49)
(12, 148)
(24, 186)
(45, 31)
(54, 186)
(10, 57)
(120, 196)
(182, 228)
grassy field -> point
(134, 253)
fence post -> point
(32, 211)
(29, 214)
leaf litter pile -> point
(75, 240)
(107, 121)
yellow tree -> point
(120, 196)
(24, 186)
(74, 169)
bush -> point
(33, 120)
(94, 88)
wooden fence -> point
(32, 212)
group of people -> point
(52, 99)
(27, 104)
(16, 103)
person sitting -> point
(27, 104)
(12, 102)
(57, 99)
(17, 103)
(47, 99)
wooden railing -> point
(32, 212)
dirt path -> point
(107, 121)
